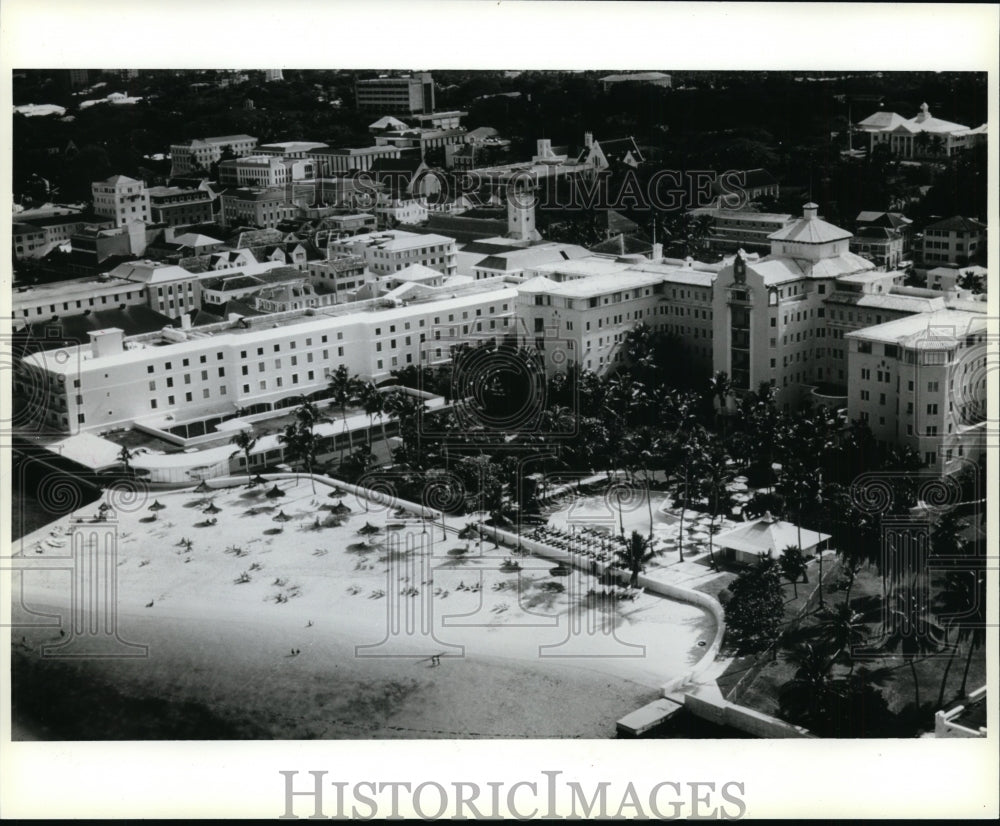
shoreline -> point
(220, 651)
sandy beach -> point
(523, 653)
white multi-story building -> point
(393, 250)
(35, 237)
(290, 149)
(202, 153)
(122, 199)
(342, 275)
(265, 171)
(339, 161)
(735, 229)
(264, 208)
(396, 209)
(769, 313)
(586, 307)
(953, 241)
(920, 381)
(256, 364)
(66, 298)
(175, 206)
(920, 136)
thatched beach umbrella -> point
(281, 516)
(340, 508)
(258, 480)
(157, 506)
(368, 529)
(274, 492)
(362, 547)
(203, 487)
(335, 493)
(212, 508)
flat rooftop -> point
(274, 325)
(929, 331)
(61, 291)
(594, 286)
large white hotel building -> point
(253, 364)
(805, 319)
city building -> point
(339, 161)
(178, 206)
(386, 123)
(611, 153)
(953, 242)
(35, 237)
(264, 208)
(450, 119)
(254, 364)
(584, 308)
(342, 275)
(482, 147)
(769, 312)
(200, 154)
(734, 229)
(393, 250)
(882, 246)
(946, 278)
(516, 260)
(918, 137)
(265, 171)
(660, 79)
(895, 221)
(295, 150)
(399, 208)
(217, 292)
(396, 95)
(920, 381)
(736, 189)
(422, 139)
(58, 299)
(122, 199)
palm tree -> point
(911, 628)
(300, 445)
(307, 417)
(973, 629)
(793, 566)
(125, 457)
(290, 441)
(245, 441)
(407, 409)
(636, 553)
(373, 402)
(686, 448)
(716, 476)
(720, 388)
(344, 389)
(843, 629)
(807, 696)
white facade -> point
(122, 199)
(393, 250)
(178, 375)
(201, 154)
(265, 171)
(921, 381)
